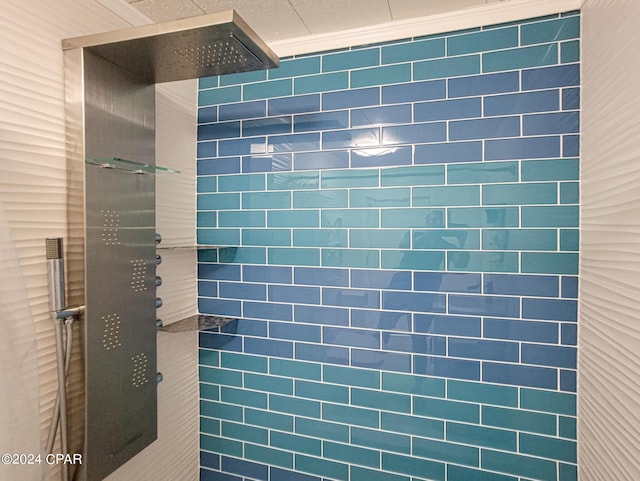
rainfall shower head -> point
(182, 49)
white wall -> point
(33, 207)
(609, 331)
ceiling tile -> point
(329, 15)
(401, 9)
(271, 19)
(165, 10)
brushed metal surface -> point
(183, 49)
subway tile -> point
(482, 436)
(366, 57)
(448, 325)
(322, 315)
(524, 148)
(208, 358)
(570, 145)
(551, 123)
(294, 369)
(413, 92)
(293, 218)
(245, 218)
(381, 157)
(569, 285)
(569, 193)
(448, 152)
(447, 452)
(351, 377)
(482, 41)
(556, 216)
(413, 217)
(550, 309)
(446, 196)
(568, 472)
(404, 342)
(521, 331)
(294, 256)
(446, 67)
(414, 133)
(208, 82)
(482, 393)
(206, 219)
(210, 460)
(268, 419)
(273, 457)
(394, 321)
(376, 116)
(387, 361)
(551, 77)
(267, 310)
(322, 353)
(219, 130)
(551, 30)
(545, 378)
(292, 180)
(338, 119)
(412, 466)
(351, 298)
(271, 274)
(243, 77)
(321, 467)
(241, 432)
(350, 415)
(294, 294)
(266, 126)
(519, 465)
(206, 149)
(294, 332)
(322, 429)
(413, 301)
(220, 445)
(320, 238)
(221, 95)
(571, 98)
(449, 109)
(389, 402)
(221, 410)
(266, 237)
(412, 176)
(351, 454)
(569, 334)
(482, 217)
(208, 289)
(416, 50)
(266, 163)
(519, 419)
(522, 103)
(266, 200)
(221, 308)
(272, 384)
(380, 75)
(388, 197)
(244, 110)
(352, 98)
(294, 405)
(207, 114)
(323, 392)
(520, 58)
(568, 380)
(268, 347)
(405, 424)
(487, 172)
(375, 238)
(235, 183)
(351, 337)
(520, 239)
(377, 279)
(484, 305)
(220, 376)
(460, 473)
(551, 402)
(448, 410)
(413, 260)
(237, 290)
(336, 159)
(296, 67)
(358, 258)
(321, 276)
(351, 138)
(227, 165)
(293, 142)
(220, 237)
(547, 447)
(518, 194)
(484, 84)
(446, 367)
(483, 349)
(338, 218)
(294, 105)
(349, 178)
(447, 282)
(382, 440)
(494, 127)
(553, 356)
(300, 444)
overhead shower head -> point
(182, 49)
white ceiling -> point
(282, 19)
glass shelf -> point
(130, 166)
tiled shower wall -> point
(401, 223)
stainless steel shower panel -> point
(182, 49)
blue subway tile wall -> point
(399, 230)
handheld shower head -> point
(55, 273)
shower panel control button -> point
(158, 260)
(158, 281)
(158, 238)
(159, 377)
(159, 324)
(158, 302)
